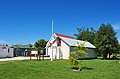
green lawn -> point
(94, 69)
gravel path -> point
(20, 58)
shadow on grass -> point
(35, 60)
(108, 58)
(86, 68)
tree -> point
(76, 54)
(119, 49)
(40, 45)
(86, 34)
(106, 40)
(30, 45)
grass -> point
(93, 69)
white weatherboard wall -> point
(6, 51)
(65, 50)
(2, 53)
(10, 53)
(52, 50)
(59, 52)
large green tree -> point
(119, 49)
(40, 44)
(106, 40)
(86, 34)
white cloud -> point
(116, 27)
(3, 42)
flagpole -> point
(52, 27)
(52, 42)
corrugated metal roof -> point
(74, 42)
(22, 46)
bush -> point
(76, 54)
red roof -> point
(65, 36)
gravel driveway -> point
(19, 58)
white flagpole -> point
(52, 42)
(52, 27)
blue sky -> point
(26, 21)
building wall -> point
(52, 50)
(62, 52)
(65, 50)
(59, 52)
(91, 53)
(10, 53)
(22, 51)
(2, 52)
(6, 52)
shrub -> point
(76, 54)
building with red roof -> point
(59, 46)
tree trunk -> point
(109, 55)
(105, 55)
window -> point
(8, 50)
(59, 42)
(4, 48)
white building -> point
(6, 51)
(59, 46)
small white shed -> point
(59, 46)
(6, 51)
